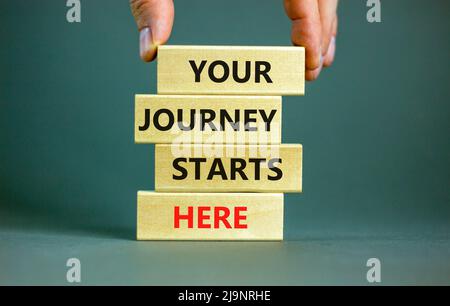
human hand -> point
(154, 19)
(314, 26)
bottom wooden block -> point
(209, 216)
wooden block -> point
(207, 119)
(231, 70)
(228, 168)
(209, 216)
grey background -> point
(375, 130)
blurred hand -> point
(314, 26)
(154, 19)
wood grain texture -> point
(215, 168)
(177, 67)
(258, 119)
(260, 216)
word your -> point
(220, 217)
(237, 166)
(74, 13)
(261, 69)
(164, 119)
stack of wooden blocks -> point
(220, 167)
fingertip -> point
(312, 75)
(148, 56)
(306, 33)
(329, 57)
(147, 47)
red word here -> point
(211, 217)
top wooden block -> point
(231, 70)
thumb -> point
(307, 32)
(154, 19)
